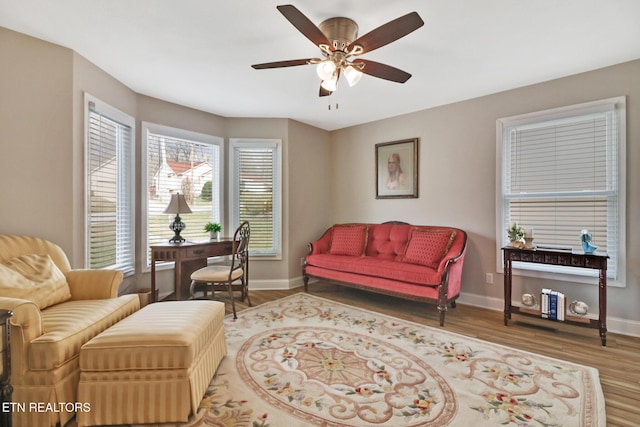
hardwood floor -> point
(618, 363)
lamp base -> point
(177, 226)
(177, 239)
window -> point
(180, 161)
(562, 171)
(255, 192)
(109, 187)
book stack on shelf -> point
(553, 305)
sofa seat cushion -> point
(69, 325)
(376, 267)
(161, 336)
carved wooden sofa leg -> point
(443, 310)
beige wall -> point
(310, 199)
(458, 177)
(35, 138)
(328, 177)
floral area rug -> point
(307, 361)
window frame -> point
(277, 145)
(172, 132)
(93, 103)
(616, 104)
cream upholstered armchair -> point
(56, 309)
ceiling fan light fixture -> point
(352, 74)
(337, 38)
(326, 69)
(330, 84)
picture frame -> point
(397, 169)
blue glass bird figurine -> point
(587, 247)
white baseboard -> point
(614, 324)
(273, 285)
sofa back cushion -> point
(349, 239)
(387, 241)
(34, 277)
(13, 246)
(428, 246)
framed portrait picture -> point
(397, 169)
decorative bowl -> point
(578, 307)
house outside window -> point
(109, 187)
(185, 162)
(562, 171)
(255, 194)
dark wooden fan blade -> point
(280, 64)
(324, 92)
(389, 32)
(304, 25)
(384, 71)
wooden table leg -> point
(507, 288)
(178, 279)
(153, 279)
(602, 315)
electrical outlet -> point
(302, 261)
(489, 278)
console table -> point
(596, 260)
(188, 257)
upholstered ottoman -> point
(153, 366)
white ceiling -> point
(198, 53)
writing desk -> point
(595, 260)
(188, 257)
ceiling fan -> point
(338, 41)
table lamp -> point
(177, 205)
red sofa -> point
(422, 263)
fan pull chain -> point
(329, 102)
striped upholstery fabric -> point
(34, 277)
(153, 366)
(45, 343)
(47, 346)
(15, 246)
(69, 325)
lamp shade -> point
(353, 75)
(325, 69)
(177, 205)
(330, 84)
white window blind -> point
(109, 184)
(188, 163)
(560, 174)
(256, 192)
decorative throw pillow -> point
(428, 246)
(349, 240)
(35, 278)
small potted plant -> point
(516, 235)
(214, 229)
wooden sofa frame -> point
(443, 288)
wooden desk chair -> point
(234, 275)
